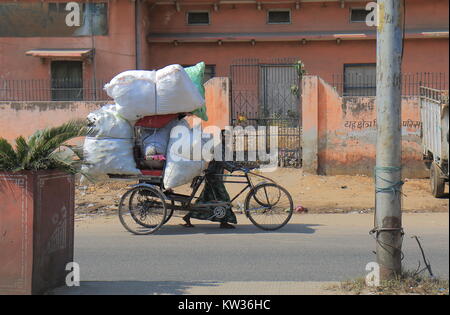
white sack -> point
(107, 123)
(156, 142)
(187, 141)
(140, 93)
(111, 150)
(108, 156)
(180, 168)
(134, 92)
(182, 172)
(176, 92)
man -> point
(214, 191)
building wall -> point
(319, 23)
(323, 58)
(217, 97)
(24, 118)
(311, 16)
(114, 53)
(339, 133)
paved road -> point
(312, 248)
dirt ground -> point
(318, 194)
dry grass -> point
(409, 283)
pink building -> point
(55, 50)
(329, 36)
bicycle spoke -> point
(142, 210)
(269, 206)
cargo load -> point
(123, 144)
(155, 141)
(107, 122)
(180, 168)
(140, 93)
(105, 156)
(134, 92)
(110, 151)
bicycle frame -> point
(166, 200)
(186, 200)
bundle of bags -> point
(137, 94)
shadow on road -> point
(131, 287)
(445, 196)
(240, 229)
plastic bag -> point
(111, 150)
(156, 142)
(106, 122)
(120, 84)
(180, 168)
(180, 172)
(140, 93)
(134, 92)
(104, 156)
(176, 93)
(196, 74)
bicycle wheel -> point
(142, 210)
(269, 206)
(137, 219)
(261, 198)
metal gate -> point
(268, 94)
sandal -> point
(189, 225)
(224, 225)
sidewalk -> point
(199, 288)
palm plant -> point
(45, 149)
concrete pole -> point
(138, 32)
(388, 216)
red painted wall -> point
(116, 51)
(38, 115)
(319, 16)
(113, 53)
(323, 58)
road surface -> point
(311, 249)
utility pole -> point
(388, 213)
(138, 33)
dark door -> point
(278, 99)
(67, 80)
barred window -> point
(358, 15)
(360, 79)
(198, 18)
(67, 80)
(279, 17)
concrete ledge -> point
(24, 118)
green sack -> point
(196, 74)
